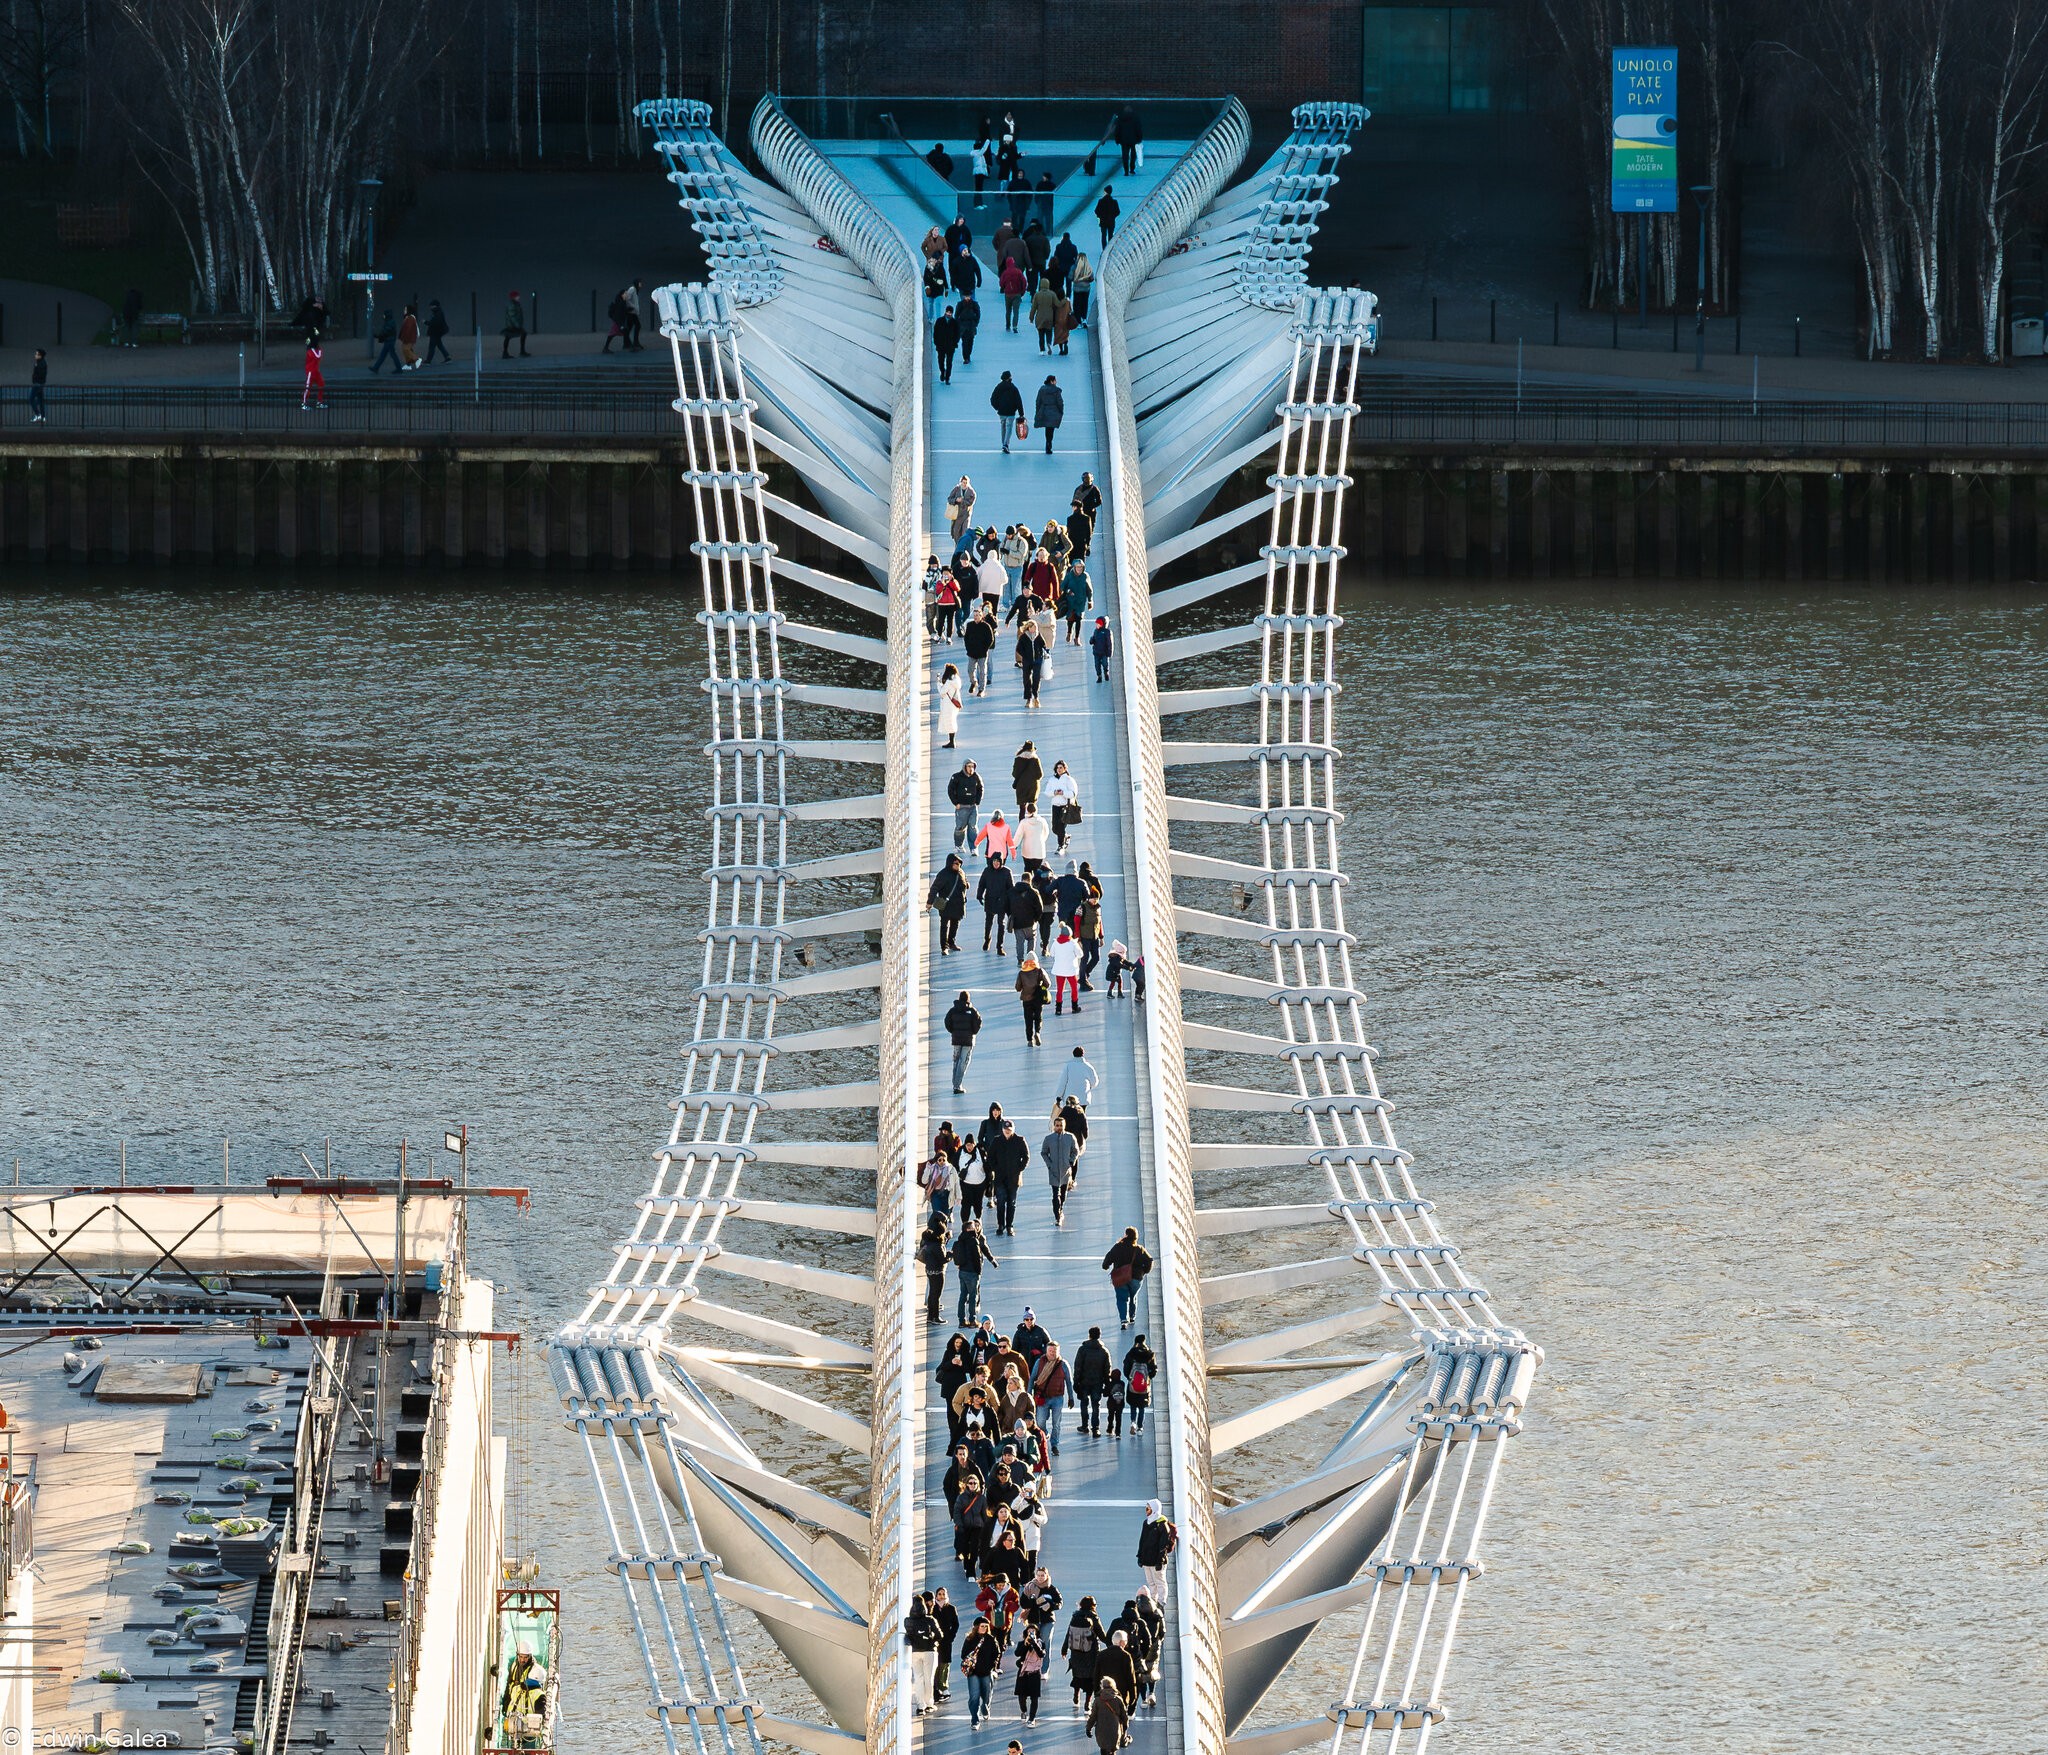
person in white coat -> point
(1033, 837)
(948, 690)
(1065, 958)
(1063, 800)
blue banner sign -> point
(1645, 172)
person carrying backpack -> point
(1140, 1368)
(616, 312)
(1157, 1539)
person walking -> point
(1116, 1669)
(963, 271)
(997, 839)
(1041, 583)
(963, 1024)
(1147, 1612)
(1033, 837)
(960, 507)
(1027, 771)
(387, 343)
(1013, 283)
(1127, 1263)
(1037, 254)
(1083, 287)
(1080, 528)
(1077, 593)
(1060, 1155)
(1033, 990)
(1063, 799)
(437, 333)
(1077, 1080)
(963, 793)
(1064, 255)
(1044, 307)
(1008, 402)
(1027, 915)
(1082, 1647)
(990, 578)
(1018, 190)
(1087, 498)
(513, 327)
(993, 893)
(615, 315)
(1088, 929)
(1066, 973)
(131, 317)
(1043, 195)
(1130, 139)
(1141, 1370)
(1013, 1158)
(978, 157)
(1157, 1539)
(409, 340)
(946, 599)
(946, 338)
(1032, 653)
(1051, 409)
(39, 379)
(948, 1619)
(931, 1251)
(934, 280)
(1014, 553)
(316, 384)
(1030, 1678)
(1100, 644)
(1053, 1390)
(1108, 1720)
(921, 1635)
(970, 1254)
(1106, 211)
(947, 897)
(632, 296)
(981, 1658)
(947, 689)
(967, 313)
(1091, 1378)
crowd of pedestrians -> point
(1020, 854)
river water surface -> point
(1704, 934)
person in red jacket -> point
(1013, 281)
(316, 385)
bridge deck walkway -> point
(1100, 1485)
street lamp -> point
(370, 185)
(1702, 193)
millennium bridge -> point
(753, 1382)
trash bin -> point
(2028, 341)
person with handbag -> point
(1007, 400)
(1127, 1264)
(960, 504)
(947, 897)
(1063, 796)
(1083, 286)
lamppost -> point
(1702, 193)
(370, 185)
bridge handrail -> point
(889, 260)
(1160, 221)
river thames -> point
(1704, 935)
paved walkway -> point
(1100, 1485)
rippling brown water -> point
(1704, 937)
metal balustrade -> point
(1391, 1520)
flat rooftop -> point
(223, 1509)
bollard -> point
(1432, 316)
(593, 310)
(1738, 331)
(1493, 320)
(533, 317)
(3, 324)
(60, 323)
(1617, 328)
(1556, 321)
(472, 311)
(1795, 338)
